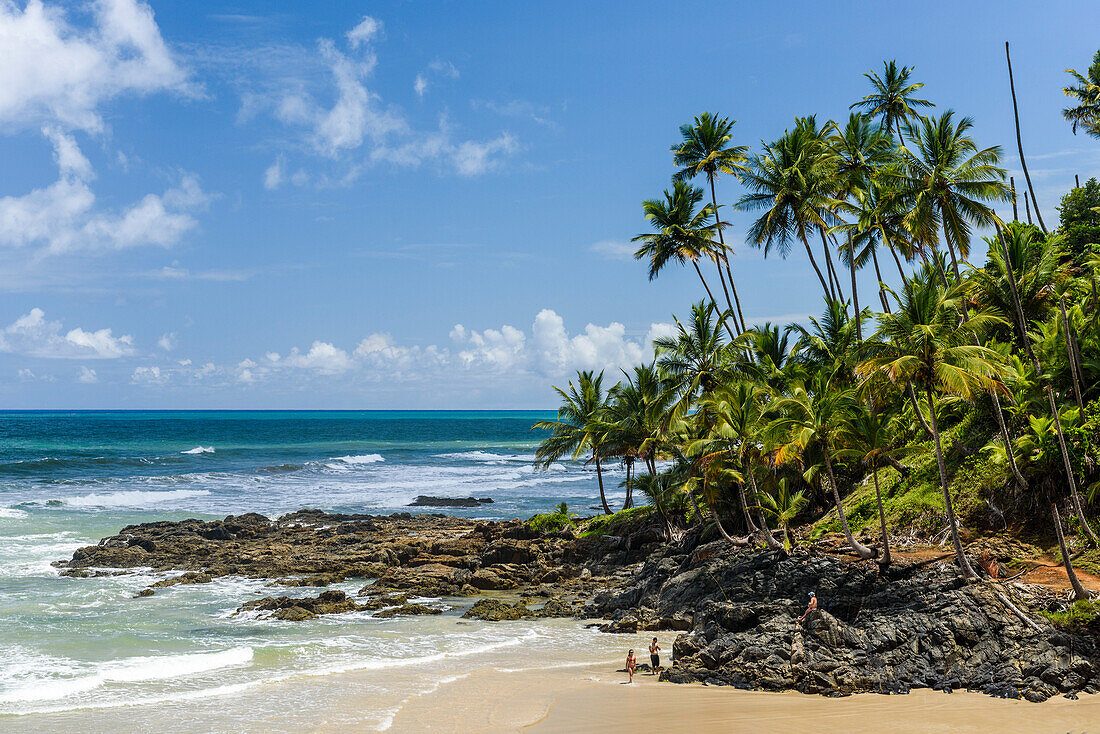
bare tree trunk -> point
(704, 281)
(881, 283)
(809, 252)
(1022, 323)
(881, 521)
(897, 260)
(855, 293)
(1074, 366)
(960, 554)
(769, 539)
(1019, 144)
(861, 550)
(736, 542)
(1079, 591)
(750, 526)
(951, 250)
(1006, 437)
(1027, 208)
(599, 477)
(1015, 212)
(629, 501)
(835, 293)
(725, 258)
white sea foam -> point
(130, 670)
(12, 513)
(361, 459)
(134, 498)
(199, 450)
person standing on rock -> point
(809, 607)
(631, 665)
(654, 656)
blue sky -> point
(422, 205)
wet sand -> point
(596, 699)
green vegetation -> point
(1081, 616)
(967, 401)
(552, 522)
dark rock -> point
(495, 610)
(191, 577)
(426, 501)
(407, 610)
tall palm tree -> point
(792, 180)
(810, 425)
(577, 429)
(926, 345)
(695, 359)
(1086, 93)
(879, 214)
(830, 344)
(892, 100)
(706, 149)
(951, 179)
(681, 232)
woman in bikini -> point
(631, 665)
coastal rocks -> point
(495, 610)
(406, 610)
(297, 609)
(191, 577)
(426, 501)
(921, 626)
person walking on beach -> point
(654, 656)
(631, 665)
(809, 607)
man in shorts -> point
(654, 656)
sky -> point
(425, 205)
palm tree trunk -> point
(855, 293)
(736, 542)
(725, 258)
(960, 554)
(1019, 144)
(750, 526)
(897, 260)
(1079, 591)
(809, 252)
(861, 550)
(695, 264)
(725, 291)
(951, 250)
(629, 501)
(769, 539)
(1006, 437)
(1074, 367)
(917, 410)
(1068, 465)
(833, 280)
(881, 283)
(881, 521)
(603, 497)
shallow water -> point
(70, 647)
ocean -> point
(77, 650)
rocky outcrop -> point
(914, 627)
(426, 501)
(297, 609)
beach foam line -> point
(131, 670)
(12, 513)
(133, 498)
(361, 459)
(199, 450)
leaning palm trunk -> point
(725, 259)
(711, 295)
(881, 283)
(599, 478)
(1019, 144)
(855, 293)
(960, 554)
(809, 252)
(1067, 464)
(881, 520)
(861, 550)
(765, 531)
(629, 501)
(1071, 352)
(736, 542)
(1079, 591)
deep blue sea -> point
(72, 646)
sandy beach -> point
(596, 699)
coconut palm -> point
(783, 505)
(681, 232)
(1086, 93)
(892, 100)
(706, 149)
(879, 212)
(577, 429)
(793, 181)
(926, 345)
(951, 179)
(809, 429)
(695, 359)
(772, 363)
(831, 342)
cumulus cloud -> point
(367, 29)
(62, 217)
(473, 158)
(148, 376)
(167, 342)
(322, 358)
(34, 336)
(273, 176)
(87, 376)
(57, 73)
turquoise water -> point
(68, 479)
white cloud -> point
(273, 176)
(148, 376)
(175, 272)
(87, 376)
(54, 72)
(367, 29)
(420, 85)
(322, 358)
(473, 158)
(34, 336)
(167, 342)
(436, 68)
(613, 249)
(61, 217)
(25, 374)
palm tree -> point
(868, 438)
(772, 363)
(577, 428)
(793, 180)
(879, 212)
(695, 359)
(1086, 93)
(926, 345)
(892, 100)
(810, 425)
(706, 149)
(861, 151)
(830, 345)
(783, 506)
(951, 178)
(682, 233)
